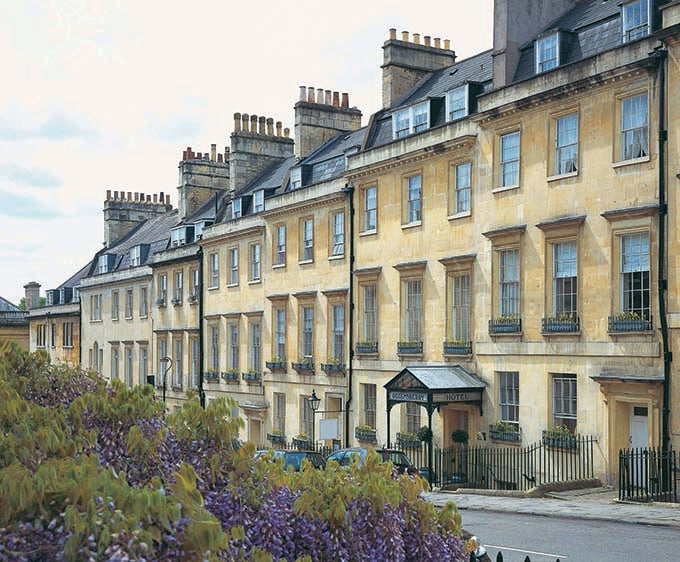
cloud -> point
(13, 205)
(33, 177)
(178, 130)
(57, 126)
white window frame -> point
(307, 331)
(338, 233)
(255, 347)
(338, 332)
(544, 59)
(280, 333)
(258, 201)
(414, 201)
(508, 282)
(463, 187)
(412, 417)
(405, 119)
(236, 208)
(233, 266)
(179, 286)
(634, 136)
(370, 200)
(635, 272)
(214, 270)
(508, 397)
(136, 256)
(565, 276)
(143, 302)
(565, 400)
(454, 110)
(129, 303)
(369, 402)
(115, 305)
(233, 346)
(640, 28)
(281, 244)
(413, 310)
(177, 364)
(308, 240)
(509, 159)
(460, 307)
(255, 262)
(566, 144)
(370, 312)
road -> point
(545, 539)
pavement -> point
(599, 504)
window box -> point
(276, 437)
(367, 347)
(306, 367)
(160, 301)
(365, 434)
(302, 442)
(505, 325)
(629, 322)
(410, 348)
(457, 348)
(210, 376)
(275, 365)
(560, 438)
(333, 368)
(192, 298)
(561, 324)
(251, 377)
(408, 441)
(230, 376)
(176, 301)
(504, 431)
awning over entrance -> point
(435, 386)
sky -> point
(106, 95)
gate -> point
(648, 474)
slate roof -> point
(439, 377)
(270, 178)
(591, 27)
(74, 280)
(476, 69)
(6, 306)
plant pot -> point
(276, 365)
(457, 348)
(275, 438)
(513, 436)
(307, 368)
(365, 435)
(333, 368)
(410, 348)
(367, 348)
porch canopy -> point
(432, 387)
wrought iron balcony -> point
(457, 347)
(505, 325)
(561, 324)
(410, 348)
(630, 322)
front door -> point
(254, 431)
(639, 440)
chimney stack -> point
(405, 63)
(32, 293)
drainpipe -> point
(349, 190)
(80, 332)
(662, 134)
(201, 392)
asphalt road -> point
(545, 539)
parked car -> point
(294, 458)
(400, 461)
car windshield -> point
(396, 457)
(295, 459)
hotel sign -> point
(438, 398)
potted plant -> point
(365, 433)
(629, 321)
(303, 365)
(276, 436)
(230, 375)
(302, 441)
(560, 436)
(460, 436)
(457, 347)
(367, 347)
(334, 365)
(563, 322)
(210, 375)
(410, 347)
(424, 434)
(408, 440)
(276, 363)
(504, 431)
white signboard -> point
(329, 429)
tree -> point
(22, 303)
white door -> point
(638, 440)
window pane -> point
(635, 289)
(508, 266)
(462, 188)
(564, 401)
(634, 132)
(370, 208)
(460, 314)
(509, 159)
(414, 194)
(508, 396)
(564, 278)
(413, 310)
(370, 313)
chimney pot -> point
(319, 95)
(393, 32)
(246, 122)
(261, 123)
(345, 99)
(184, 155)
(310, 94)
(278, 128)
(237, 122)
(161, 197)
(427, 40)
(136, 196)
(200, 156)
(213, 152)
(108, 194)
(142, 197)
(219, 157)
(447, 44)
(253, 123)
(286, 132)
(129, 197)
(115, 196)
(155, 198)
(336, 99)
(270, 126)
(148, 198)
(206, 156)
(404, 35)
(226, 154)
(416, 38)
(328, 97)
(167, 199)
(437, 43)
(303, 93)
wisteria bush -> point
(96, 472)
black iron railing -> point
(561, 325)
(457, 348)
(629, 323)
(648, 474)
(505, 325)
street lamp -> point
(314, 402)
(167, 360)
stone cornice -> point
(256, 230)
(564, 222)
(630, 213)
(505, 231)
(305, 205)
(411, 266)
(458, 261)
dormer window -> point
(181, 235)
(457, 103)
(411, 120)
(635, 20)
(135, 256)
(198, 228)
(236, 208)
(296, 177)
(547, 53)
(105, 263)
(258, 201)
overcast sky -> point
(105, 95)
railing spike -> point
(499, 557)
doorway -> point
(639, 427)
(255, 431)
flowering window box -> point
(457, 348)
(505, 325)
(333, 368)
(367, 347)
(230, 376)
(505, 433)
(276, 438)
(629, 322)
(211, 377)
(251, 377)
(408, 441)
(561, 325)
(561, 440)
(365, 435)
(410, 348)
(302, 443)
(306, 367)
(276, 365)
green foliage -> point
(460, 436)
(424, 434)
